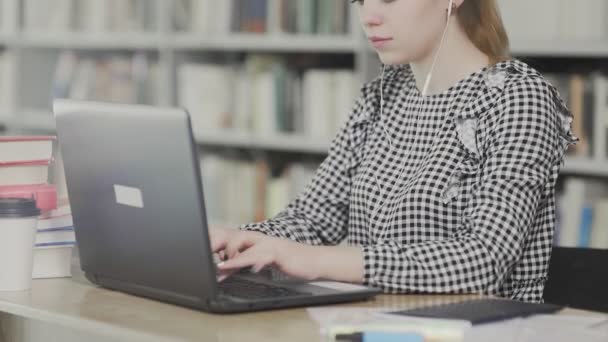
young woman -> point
(442, 180)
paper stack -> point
(56, 238)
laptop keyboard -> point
(243, 288)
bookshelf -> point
(166, 36)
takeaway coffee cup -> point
(18, 219)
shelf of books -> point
(241, 190)
(580, 208)
(318, 17)
(271, 76)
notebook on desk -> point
(478, 311)
(134, 184)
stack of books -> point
(24, 169)
(25, 162)
(56, 238)
(55, 241)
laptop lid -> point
(135, 189)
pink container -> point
(44, 194)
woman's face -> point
(403, 31)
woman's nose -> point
(369, 14)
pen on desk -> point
(376, 336)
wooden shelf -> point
(279, 142)
(90, 41)
(560, 48)
(585, 167)
(41, 120)
(261, 42)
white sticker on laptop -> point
(128, 196)
(339, 286)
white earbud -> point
(427, 82)
(390, 142)
(424, 92)
(381, 86)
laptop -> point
(134, 183)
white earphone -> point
(445, 30)
(430, 74)
(424, 93)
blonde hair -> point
(483, 25)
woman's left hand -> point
(256, 250)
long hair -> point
(483, 25)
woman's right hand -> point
(220, 236)
(221, 240)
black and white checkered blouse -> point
(450, 193)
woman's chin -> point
(388, 58)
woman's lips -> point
(379, 42)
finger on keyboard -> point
(223, 275)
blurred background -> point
(269, 82)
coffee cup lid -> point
(18, 207)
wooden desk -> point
(74, 310)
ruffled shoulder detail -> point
(476, 97)
(393, 76)
(482, 92)
(368, 112)
(565, 115)
(486, 89)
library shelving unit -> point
(30, 58)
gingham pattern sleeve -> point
(319, 216)
(522, 147)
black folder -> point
(478, 311)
